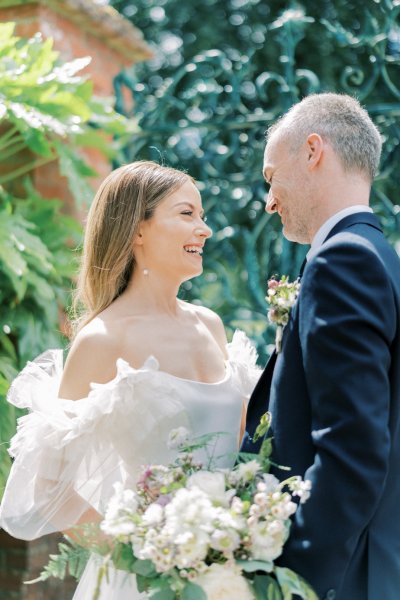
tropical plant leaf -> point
(75, 170)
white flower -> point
(192, 548)
(212, 484)
(153, 515)
(120, 510)
(178, 437)
(301, 488)
(267, 540)
(271, 483)
(284, 508)
(189, 508)
(225, 582)
(248, 470)
(227, 541)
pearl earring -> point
(145, 272)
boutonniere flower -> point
(281, 296)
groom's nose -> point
(270, 204)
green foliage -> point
(51, 111)
(47, 113)
(292, 584)
(72, 559)
(223, 71)
(192, 591)
(266, 588)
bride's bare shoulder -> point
(92, 358)
(213, 322)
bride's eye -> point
(187, 212)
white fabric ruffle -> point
(68, 454)
(242, 357)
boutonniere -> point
(281, 296)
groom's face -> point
(288, 193)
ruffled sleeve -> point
(68, 454)
(242, 357)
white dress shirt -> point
(324, 230)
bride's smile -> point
(170, 243)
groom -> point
(334, 389)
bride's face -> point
(172, 240)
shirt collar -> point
(324, 230)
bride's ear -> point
(138, 239)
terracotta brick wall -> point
(22, 561)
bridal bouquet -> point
(194, 533)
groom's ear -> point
(314, 149)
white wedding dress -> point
(68, 454)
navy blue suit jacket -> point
(334, 395)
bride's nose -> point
(203, 231)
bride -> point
(142, 362)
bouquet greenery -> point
(190, 533)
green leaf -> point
(71, 558)
(75, 170)
(123, 558)
(8, 370)
(250, 566)
(142, 583)
(37, 142)
(263, 426)
(266, 588)
(145, 568)
(192, 591)
(163, 594)
(291, 583)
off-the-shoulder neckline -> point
(151, 363)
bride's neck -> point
(152, 294)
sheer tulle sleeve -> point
(242, 356)
(67, 454)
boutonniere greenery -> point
(281, 296)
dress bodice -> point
(68, 454)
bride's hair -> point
(128, 196)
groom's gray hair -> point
(342, 122)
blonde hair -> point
(128, 196)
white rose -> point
(225, 582)
(212, 484)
